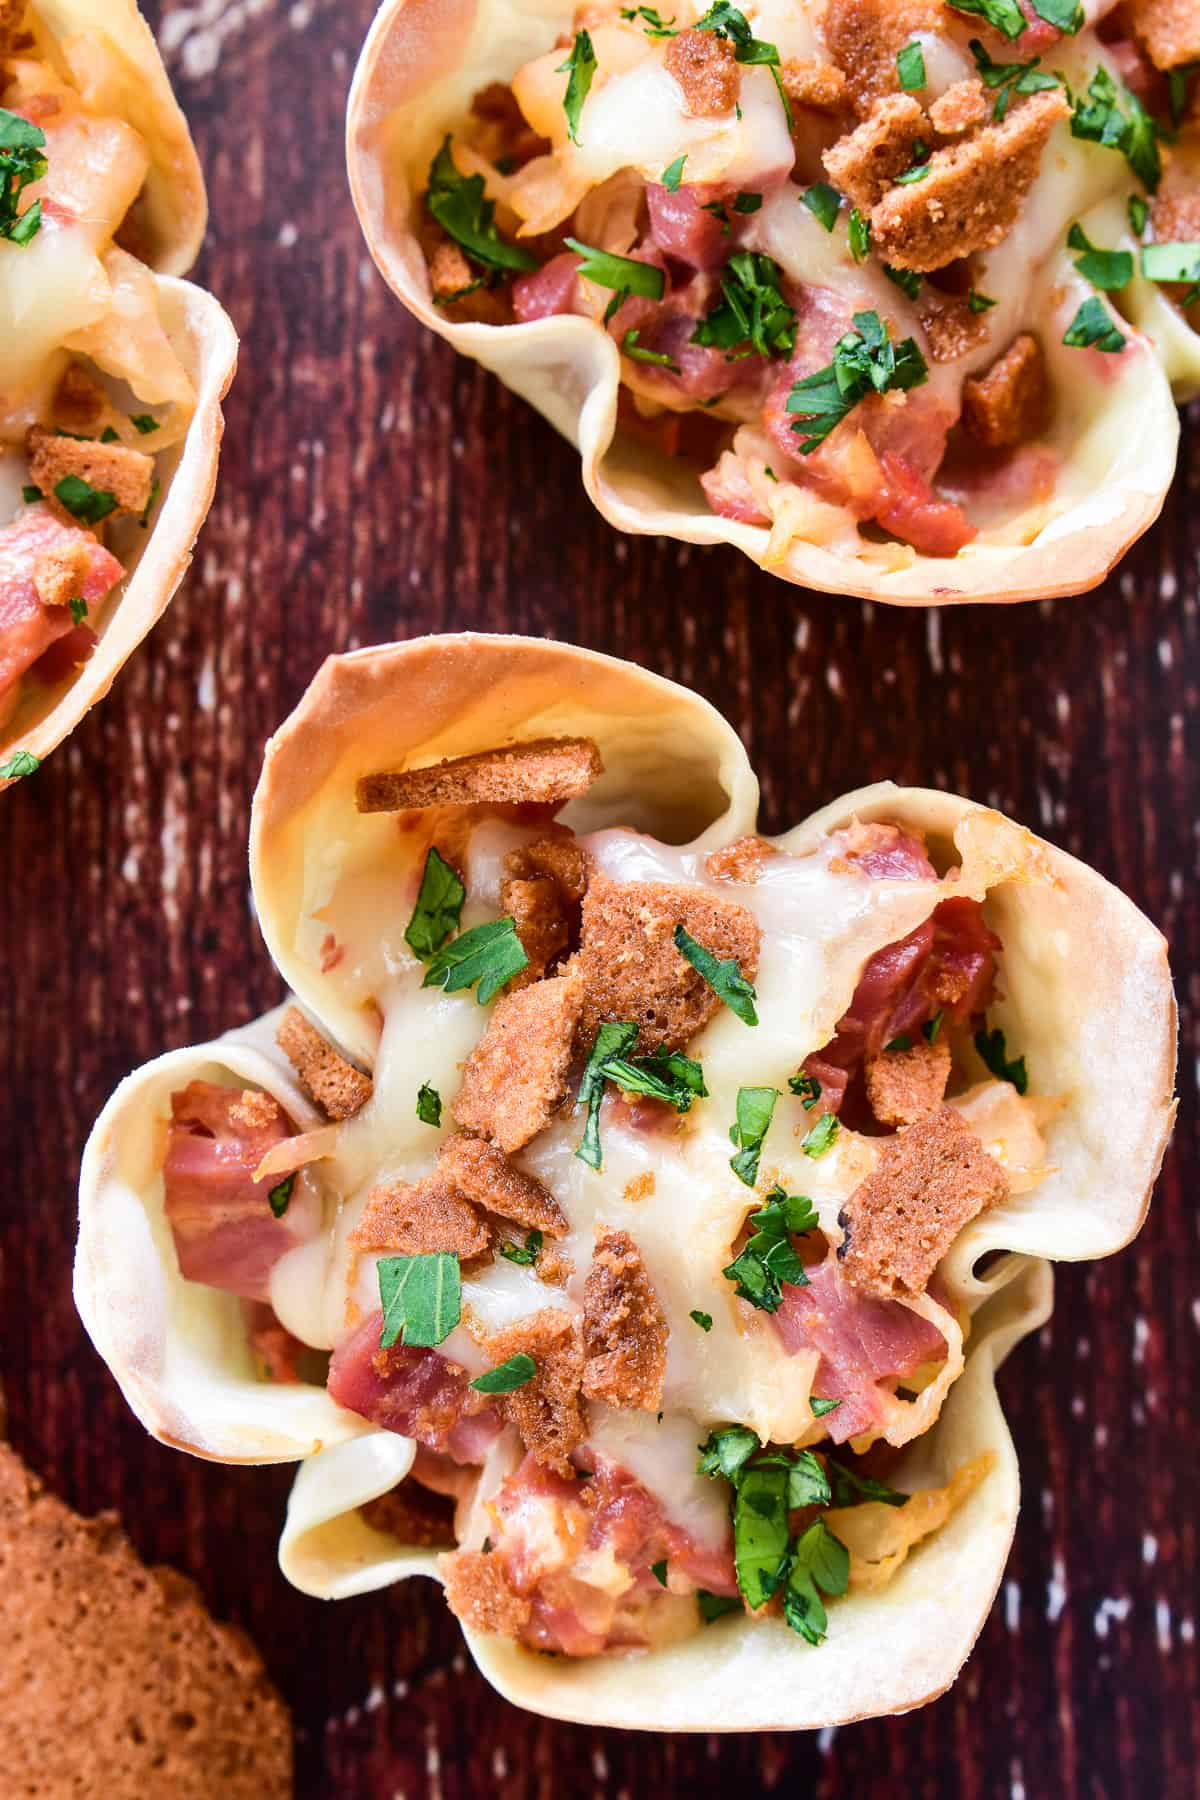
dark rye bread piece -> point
(548, 771)
(114, 1680)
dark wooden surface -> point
(374, 486)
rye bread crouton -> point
(542, 886)
(631, 969)
(864, 38)
(906, 1085)
(929, 1181)
(412, 1514)
(951, 328)
(706, 69)
(484, 1175)
(624, 1329)
(1168, 30)
(336, 1085)
(962, 107)
(743, 860)
(126, 475)
(478, 1594)
(419, 1219)
(515, 1079)
(1175, 209)
(817, 84)
(547, 1412)
(59, 572)
(115, 1680)
(548, 771)
(973, 192)
(866, 162)
(1009, 403)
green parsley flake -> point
(624, 274)
(143, 422)
(1100, 120)
(655, 26)
(29, 494)
(421, 1298)
(84, 502)
(865, 361)
(657, 358)
(848, 1487)
(727, 22)
(823, 202)
(755, 1106)
(858, 231)
(725, 978)
(752, 317)
(820, 1562)
(438, 909)
(769, 1258)
(931, 1027)
(901, 1041)
(611, 1042)
(978, 302)
(459, 204)
(724, 1452)
(994, 1052)
(1007, 79)
(281, 1194)
(821, 1407)
(1004, 16)
(21, 164)
(910, 68)
(1066, 16)
(107, 436)
(702, 1319)
(429, 1105)
(581, 65)
(659, 1572)
(806, 1088)
(79, 610)
(672, 175)
(715, 1606)
(821, 1137)
(514, 1372)
(1171, 262)
(525, 1254)
(1138, 212)
(1106, 269)
(20, 764)
(669, 1076)
(489, 954)
(1093, 328)
(155, 488)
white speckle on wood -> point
(1110, 1608)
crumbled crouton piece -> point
(1008, 404)
(541, 890)
(632, 970)
(741, 861)
(973, 193)
(950, 326)
(906, 1085)
(864, 38)
(547, 1412)
(516, 1076)
(960, 108)
(109, 468)
(336, 1085)
(1168, 30)
(477, 1592)
(420, 1219)
(413, 1515)
(449, 271)
(81, 404)
(553, 1266)
(59, 572)
(624, 1330)
(547, 770)
(255, 1111)
(817, 84)
(929, 1181)
(866, 162)
(560, 859)
(1175, 210)
(706, 68)
(484, 1174)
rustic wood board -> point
(374, 486)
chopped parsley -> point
(1004, 16)
(582, 66)
(821, 1407)
(752, 317)
(107, 436)
(659, 1572)
(931, 1027)
(725, 978)
(715, 1606)
(655, 26)
(1099, 119)
(514, 1372)
(155, 487)
(820, 1564)
(525, 1254)
(281, 1194)
(421, 1298)
(901, 1041)
(848, 1487)
(702, 1319)
(1106, 269)
(724, 1452)
(459, 204)
(143, 422)
(865, 361)
(84, 502)
(21, 163)
(978, 302)
(858, 230)
(1177, 86)
(429, 1105)
(669, 1076)
(1093, 328)
(994, 1052)
(438, 909)
(489, 954)
(755, 1106)
(625, 275)
(658, 358)
(29, 494)
(769, 1258)
(806, 1088)
(1172, 262)
(612, 1040)
(910, 68)
(919, 170)
(1066, 16)
(20, 764)
(823, 202)
(1138, 212)
(672, 175)
(727, 22)
(1011, 78)
(79, 610)
(821, 1137)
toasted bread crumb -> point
(929, 1181)
(484, 1174)
(816, 84)
(549, 771)
(335, 1084)
(114, 1679)
(449, 271)
(59, 573)
(740, 861)
(412, 1514)
(1168, 30)
(866, 162)
(951, 328)
(516, 1077)
(542, 886)
(864, 38)
(632, 970)
(255, 1110)
(420, 1219)
(706, 68)
(547, 1412)
(906, 1085)
(110, 468)
(1009, 403)
(624, 1330)
(641, 1187)
(477, 1593)
(962, 107)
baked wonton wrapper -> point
(112, 58)
(1117, 432)
(1087, 995)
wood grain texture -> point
(373, 486)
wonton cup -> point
(171, 216)
(1086, 994)
(422, 63)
